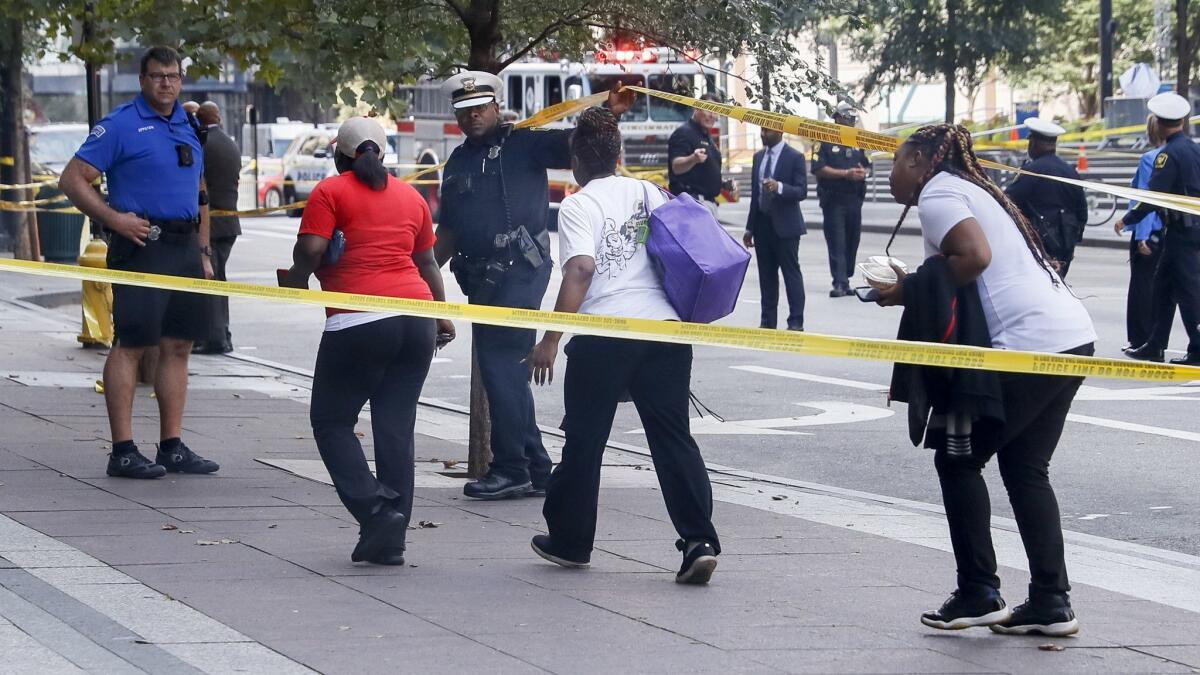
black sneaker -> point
(391, 555)
(1055, 620)
(493, 486)
(133, 465)
(544, 546)
(382, 534)
(963, 611)
(183, 460)
(699, 561)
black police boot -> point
(178, 458)
(494, 486)
(383, 533)
(1145, 353)
(699, 561)
(1189, 359)
(133, 464)
(963, 611)
(544, 546)
(1052, 616)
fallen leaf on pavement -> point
(209, 542)
(343, 627)
(169, 526)
(272, 526)
(237, 395)
(450, 463)
(779, 498)
(187, 532)
(1051, 647)
(427, 524)
(99, 386)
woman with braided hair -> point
(984, 239)
(606, 270)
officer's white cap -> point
(845, 109)
(1043, 127)
(471, 88)
(1169, 106)
(356, 131)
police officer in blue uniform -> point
(1176, 171)
(841, 173)
(152, 154)
(492, 229)
(1057, 211)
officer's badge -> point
(493, 152)
(1160, 161)
(468, 84)
(837, 149)
(155, 233)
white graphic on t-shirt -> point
(619, 245)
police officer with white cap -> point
(1176, 171)
(1057, 211)
(495, 201)
(841, 173)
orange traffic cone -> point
(1081, 164)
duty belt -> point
(172, 230)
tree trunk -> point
(1183, 52)
(949, 62)
(13, 157)
(482, 22)
(764, 76)
(479, 445)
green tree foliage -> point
(352, 50)
(958, 41)
(1074, 65)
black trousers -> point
(1177, 277)
(657, 377)
(843, 229)
(1035, 407)
(777, 255)
(216, 310)
(384, 362)
(1141, 307)
(517, 449)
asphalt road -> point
(1126, 468)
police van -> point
(309, 159)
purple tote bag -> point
(701, 266)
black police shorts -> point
(143, 316)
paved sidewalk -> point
(248, 570)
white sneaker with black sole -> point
(966, 611)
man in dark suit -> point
(775, 224)
(222, 164)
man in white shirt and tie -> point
(774, 227)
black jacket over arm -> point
(935, 311)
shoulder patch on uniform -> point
(96, 132)
(1160, 161)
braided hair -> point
(596, 143)
(949, 148)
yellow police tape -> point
(828, 132)
(871, 349)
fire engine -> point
(429, 133)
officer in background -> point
(841, 174)
(694, 159)
(222, 166)
(151, 153)
(492, 229)
(1057, 211)
(1176, 171)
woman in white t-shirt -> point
(985, 239)
(602, 233)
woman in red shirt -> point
(370, 356)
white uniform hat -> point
(1169, 106)
(357, 130)
(1043, 127)
(471, 88)
(846, 110)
